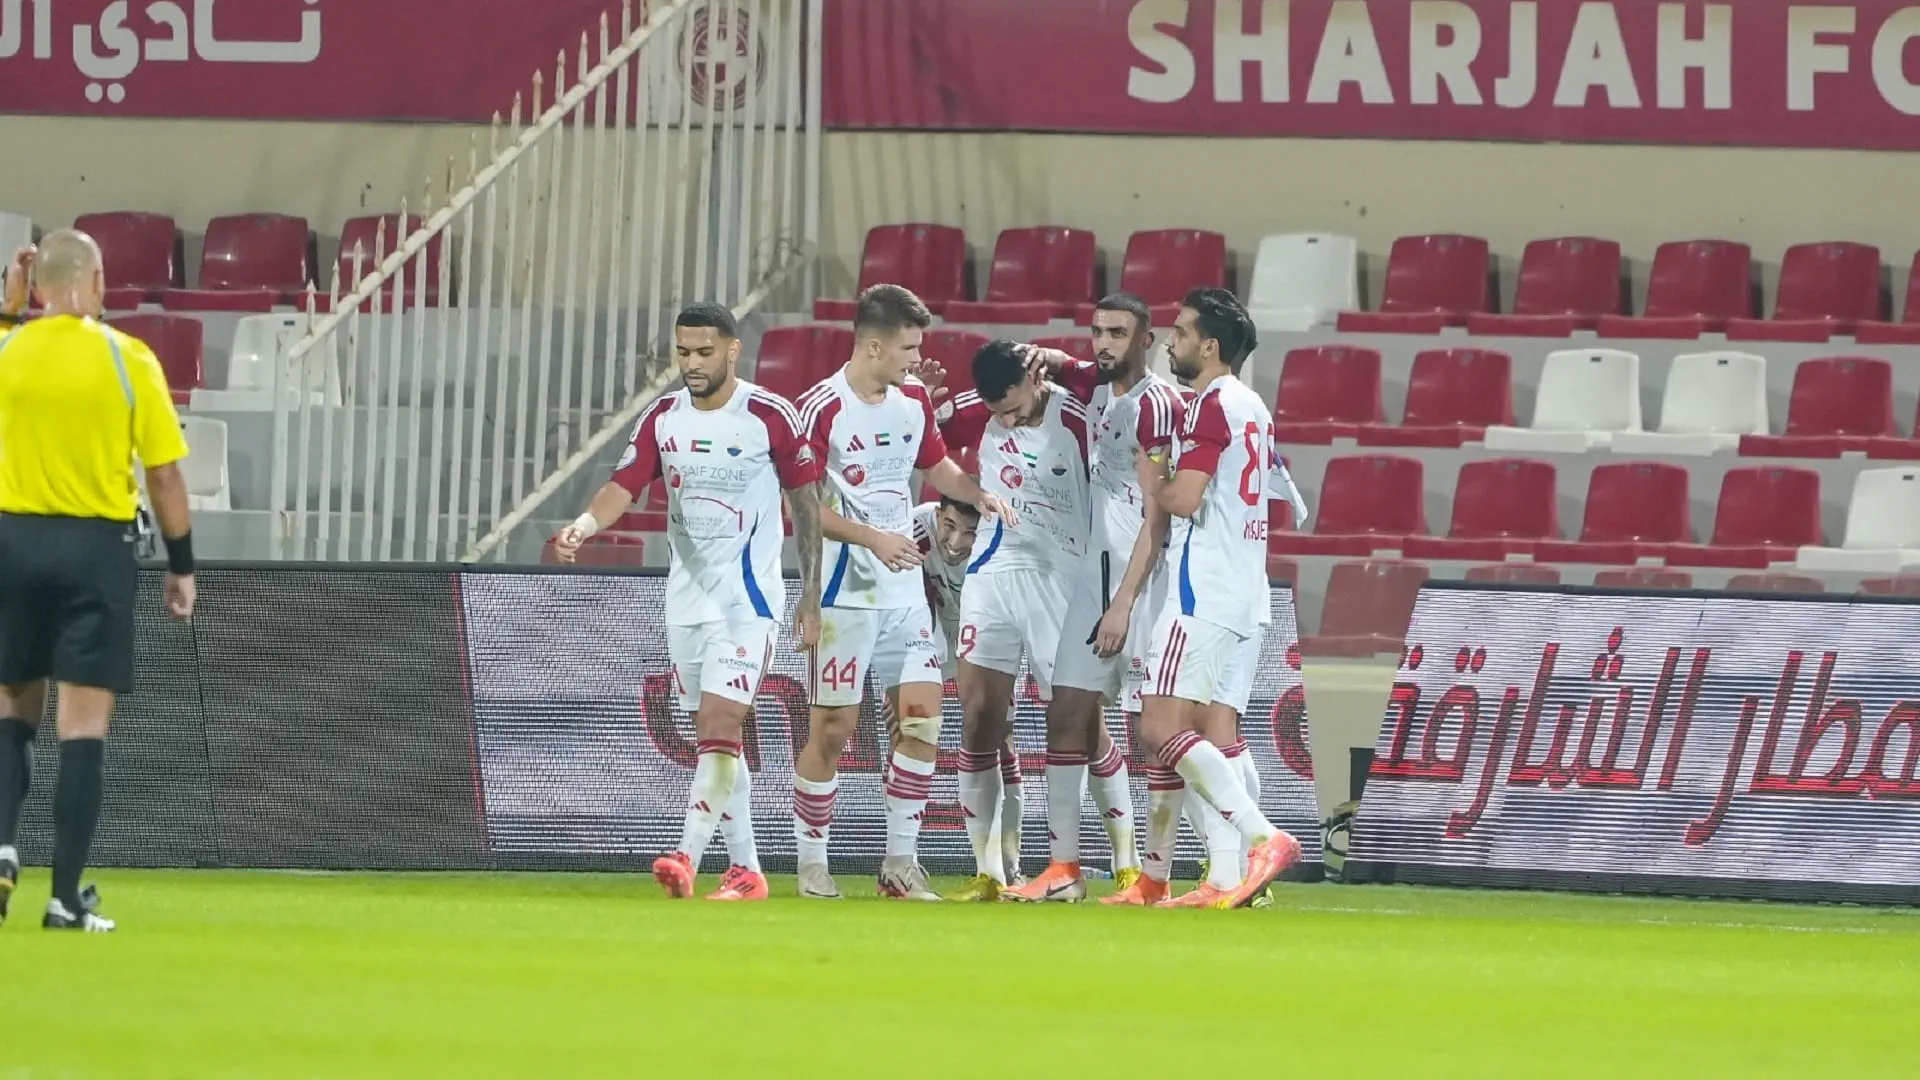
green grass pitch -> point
(219, 974)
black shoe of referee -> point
(60, 917)
(9, 879)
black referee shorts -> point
(66, 601)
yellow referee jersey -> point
(78, 399)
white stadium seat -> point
(260, 343)
(206, 465)
(1585, 397)
(1883, 526)
(1711, 399)
(16, 232)
(1304, 280)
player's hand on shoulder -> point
(990, 506)
(896, 552)
(933, 375)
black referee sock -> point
(76, 810)
(16, 775)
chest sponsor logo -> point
(855, 474)
(1012, 477)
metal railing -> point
(484, 358)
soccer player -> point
(871, 424)
(1217, 497)
(727, 449)
(1135, 411)
(1033, 458)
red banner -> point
(1753, 73)
(294, 59)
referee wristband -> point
(180, 553)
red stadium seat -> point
(1163, 265)
(1453, 396)
(251, 262)
(954, 349)
(1634, 509)
(1898, 585)
(141, 254)
(649, 514)
(1764, 517)
(1695, 287)
(1281, 568)
(1905, 332)
(1039, 273)
(1367, 503)
(1368, 608)
(1566, 284)
(1432, 282)
(1500, 508)
(1643, 577)
(1327, 392)
(180, 344)
(1515, 573)
(1786, 583)
(604, 549)
(1078, 346)
(792, 358)
(1839, 403)
(929, 259)
(1825, 289)
(365, 236)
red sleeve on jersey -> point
(1161, 414)
(967, 424)
(933, 447)
(640, 464)
(1205, 438)
(793, 454)
(1079, 378)
(817, 408)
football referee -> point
(78, 401)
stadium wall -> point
(1375, 190)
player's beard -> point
(1188, 369)
(710, 386)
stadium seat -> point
(1327, 392)
(1695, 287)
(260, 342)
(792, 358)
(1367, 503)
(1566, 284)
(1825, 289)
(1764, 517)
(1281, 568)
(1368, 607)
(1635, 510)
(180, 344)
(1883, 526)
(1039, 273)
(1839, 403)
(604, 549)
(1643, 577)
(205, 467)
(1775, 583)
(929, 259)
(1304, 280)
(1500, 508)
(1711, 400)
(1162, 265)
(250, 263)
(648, 513)
(954, 349)
(1897, 585)
(1453, 396)
(1905, 332)
(366, 239)
(1432, 282)
(140, 252)
(1515, 574)
(1078, 346)
(1584, 397)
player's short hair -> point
(1132, 305)
(888, 309)
(997, 368)
(948, 502)
(708, 314)
(1224, 319)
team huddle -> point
(1114, 537)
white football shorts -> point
(725, 659)
(1005, 614)
(898, 645)
(1190, 658)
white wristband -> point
(586, 525)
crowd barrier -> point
(1698, 743)
(335, 716)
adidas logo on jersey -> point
(855, 445)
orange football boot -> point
(1202, 895)
(740, 883)
(1143, 892)
(1060, 882)
(1268, 860)
(674, 872)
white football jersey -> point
(1219, 556)
(724, 469)
(1041, 472)
(1145, 418)
(869, 452)
(943, 579)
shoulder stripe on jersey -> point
(815, 401)
(966, 398)
(779, 404)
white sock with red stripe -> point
(1226, 853)
(1166, 792)
(1217, 781)
(813, 818)
(980, 804)
(736, 822)
(1013, 810)
(1113, 797)
(1242, 759)
(1066, 788)
(909, 781)
(714, 775)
